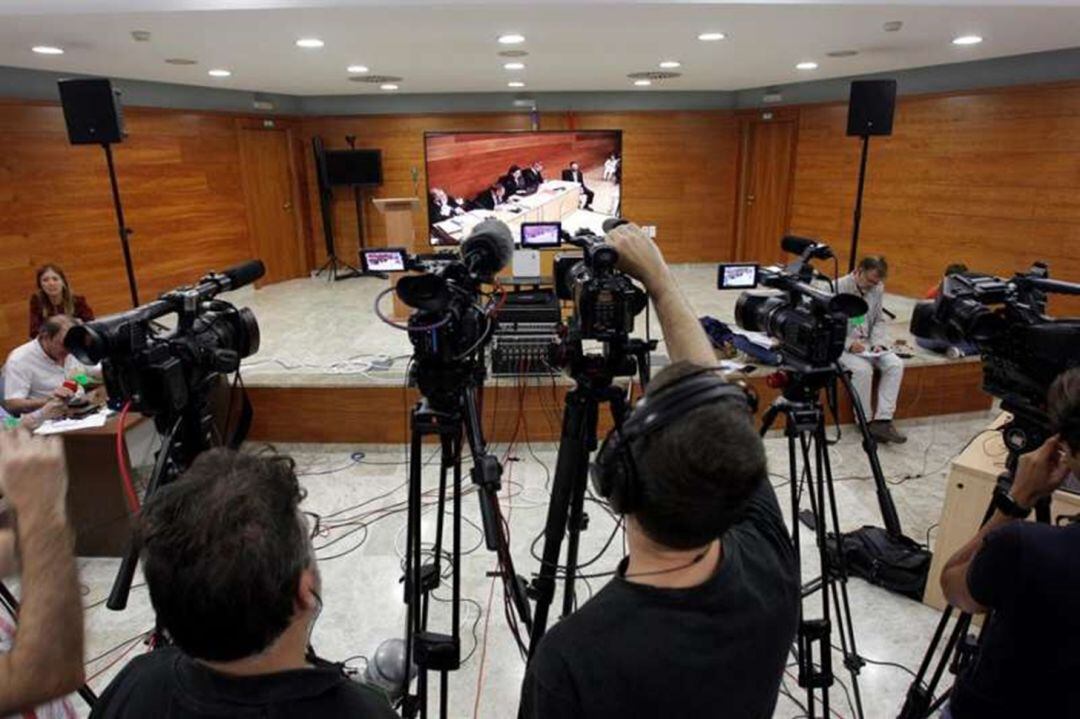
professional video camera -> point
(1023, 349)
(605, 300)
(810, 323)
(450, 327)
(157, 369)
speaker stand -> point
(358, 198)
(122, 228)
(858, 204)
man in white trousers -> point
(867, 349)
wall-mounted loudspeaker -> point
(871, 106)
(92, 111)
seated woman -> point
(54, 297)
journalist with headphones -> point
(699, 617)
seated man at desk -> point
(534, 174)
(574, 174)
(513, 181)
(490, 198)
(441, 206)
(35, 372)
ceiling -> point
(442, 46)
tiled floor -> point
(360, 561)
(318, 333)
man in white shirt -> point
(867, 349)
(35, 372)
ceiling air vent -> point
(654, 75)
(375, 79)
(513, 53)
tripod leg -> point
(577, 514)
(841, 602)
(573, 454)
(413, 569)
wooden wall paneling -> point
(182, 193)
(990, 178)
(679, 170)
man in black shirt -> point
(1028, 574)
(700, 617)
(232, 577)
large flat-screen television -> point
(568, 176)
(354, 167)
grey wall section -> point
(41, 85)
(1051, 66)
(504, 102)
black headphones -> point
(614, 473)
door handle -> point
(287, 206)
(749, 199)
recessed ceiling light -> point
(515, 83)
(967, 40)
(511, 39)
(48, 50)
(388, 86)
(219, 73)
(181, 61)
(711, 36)
(357, 68)
(643, 83)
(806, 66)
(670, 64)
(310, 42)
(514, 66)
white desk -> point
(554, 201)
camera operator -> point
(232, 577)
(1028, 574)
(867, 349)
(700, 616)
(46, 658)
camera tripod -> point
(453, 415)
(804, 426)
(1025, 432)
(593, 376)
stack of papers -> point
(59, 426)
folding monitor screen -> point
(571, 177)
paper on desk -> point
(870, 354)
(59, 426)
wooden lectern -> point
(398, 212)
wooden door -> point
(768, 153)
(271, 195)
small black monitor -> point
(385, 259)
(354, 167)
(737, 276)
(538, 235)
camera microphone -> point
(798, 245)
(488, 248)
(386, 669)
(612, 222)
(243, 274)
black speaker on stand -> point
(93, 116)
(333, 266)
(870, 112)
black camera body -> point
(809, 323)
(1023, 349)
(160, 371)
(606, 301)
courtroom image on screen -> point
(572, 177)
(738, 277)
(384, 261)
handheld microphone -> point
(488, 248)
(798, 245)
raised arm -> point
(46, 659)
(640, 258)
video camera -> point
(450, 327)
(605, 300)
(809, 322)
(1023, 349)
(160, 370)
